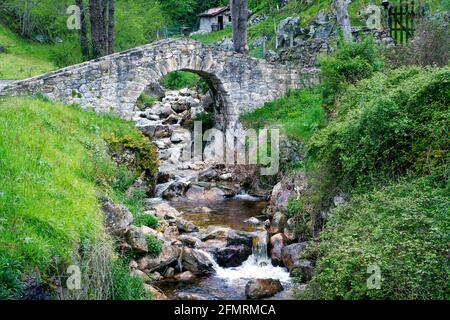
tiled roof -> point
(214, 12)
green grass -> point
(23, 58)
(54, 164)
(299, 113)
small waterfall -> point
(258, 265)
(259, 250)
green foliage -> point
(155, 245)
(300, 114)
(22, 59)
(145, 156)
(181, 12)
(138, 22)
(403, 229)
(182, 79)
(206, 118)
(145, 101)
(126, 287)
(430, 46)
(386, 127)
(51, 156)
(147, 220)
(10, 270)
(350, 63)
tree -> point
(102, 26)
(239, 15)
(111, 27)
(340, 8)
(83, 31)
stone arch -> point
(114, 83)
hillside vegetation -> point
(383, 146)
(54, 167)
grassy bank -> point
(54, 165)
(23, 59)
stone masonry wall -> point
(114, 83)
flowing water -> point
(229, 283)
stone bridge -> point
(114, 83)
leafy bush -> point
(350, 63)
(145, 101)
(126, 287)
(430, 46)
(10, 271)
(155, 245)
(147, 220)
(403, 229)
(386, 127)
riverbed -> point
(229, 283)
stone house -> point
(214, 19)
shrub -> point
(350, 63)
(124, 286)
(155, 245)
(145, 101)
(430, 46)
(386, 127)
(10, 271)
(147, 220)
(402, 229)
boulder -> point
(253, 221)
(139, 274)
(303, 269)
(278, 223)
(291, 254)
(185, 276)
(214, 194)
(230, 236)
(195, 193)
(262, 288)
(117, 218)
(137, 240)
(166, 211)
(277, 243)
(169, 273)
(190, 296)
(197, 262)
(290, 230)
(168, 255)
(186, 226)
(208, 175)
(155, 293)
(189, 241)
(171, 233)
(232, 256)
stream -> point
(229, 283)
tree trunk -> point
(111, 27)
(83, 32)
(94, 15)
(239, 16)
(104, 26)
(97, 10)
(340, 8)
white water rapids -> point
(257, 266)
